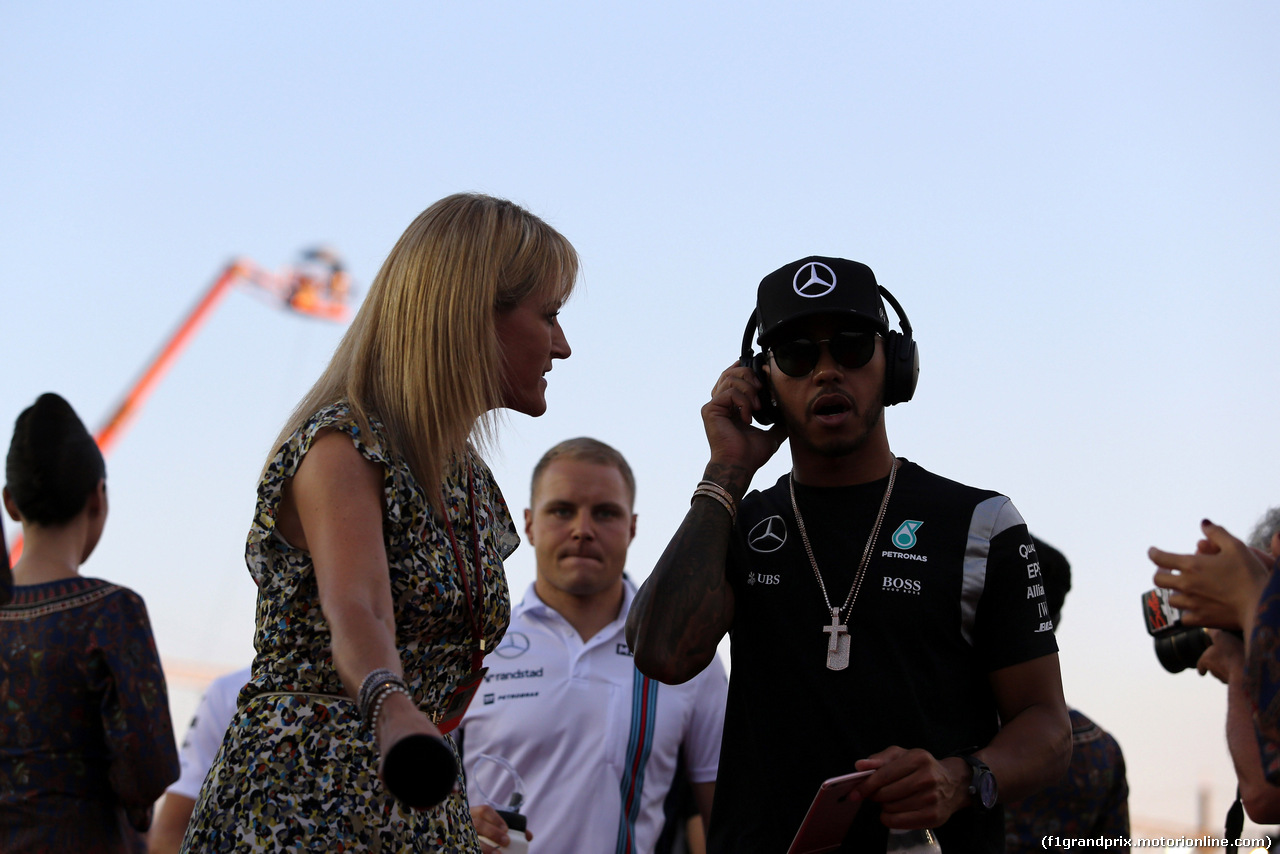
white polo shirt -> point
(594, 741)
(204, 735)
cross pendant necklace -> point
(837, 633)
(838, 643)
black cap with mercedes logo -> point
(819, 285)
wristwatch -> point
(982, 785)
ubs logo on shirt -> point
(754, 577)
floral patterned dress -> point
(297, 771)
(1091, 801)
(86, 741)
(1262, 676)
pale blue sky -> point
(1077, 204)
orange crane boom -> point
(295, 290)
(137, 395)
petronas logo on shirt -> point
(905, 537)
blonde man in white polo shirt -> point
(594, 741)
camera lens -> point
(1182, 649)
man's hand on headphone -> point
(726, 418)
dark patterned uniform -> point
(1092, 801)
(951, 594)
(86, 742)
(297, 771)
(1263, 677)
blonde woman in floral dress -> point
(377, 547)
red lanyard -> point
(473, 614)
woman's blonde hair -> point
(422, 353)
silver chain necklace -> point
(838, 642)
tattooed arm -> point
(686, 605)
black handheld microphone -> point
(419, 771)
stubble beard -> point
(837, 446)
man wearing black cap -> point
(882, 618)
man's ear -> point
(633, 529)
(528, 525)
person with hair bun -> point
(377, 546)
(86, 741)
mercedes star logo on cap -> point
(814, 279)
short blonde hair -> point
(422, 354)
(585, 449)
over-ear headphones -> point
(901, 363)
(768, 411)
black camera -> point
(1177, 646)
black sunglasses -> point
(799, 356)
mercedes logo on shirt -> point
(814, 279)
(514, 645)
(768, 535)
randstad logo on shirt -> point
(905, 537)
(513, 674)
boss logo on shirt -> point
(901, 585)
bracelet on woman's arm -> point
(373, 686)
(419, 770)
(380, 694)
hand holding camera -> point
(1219, 585)
(1224, 658)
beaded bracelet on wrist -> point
(374, 684)
(374, 676)
(385, 690)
